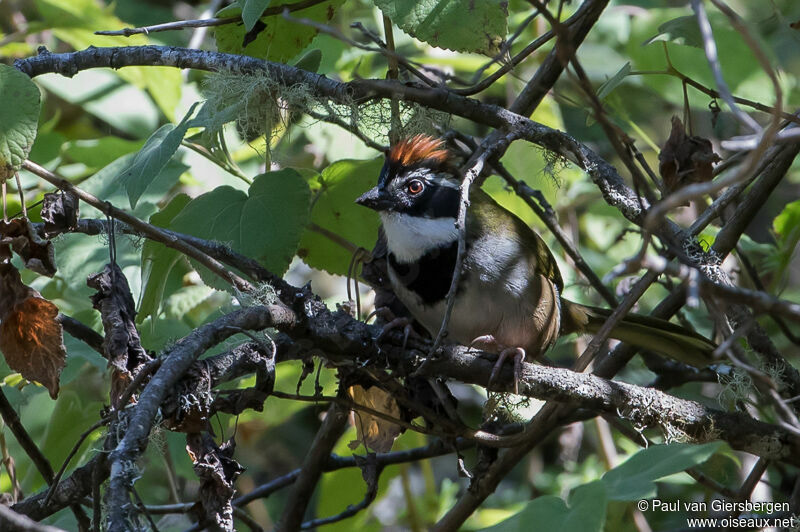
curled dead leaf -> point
(60, 212)
(37, 254)
(377, 434)
(121, 344)
(217, 471)
(31, 337)
(685, 159)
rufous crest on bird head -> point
(418, 178)
(417, 197)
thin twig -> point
(710, 48)
(474, 168)
(153, 232)
(24, 439)
(334, 32)
(200, 33)
(179, 359)
(54, 486)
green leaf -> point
(264, 224)
(586, 512)
(252, 10)
(47, 147)
(787, 228)
(19, 118)
(310, 60)
(611, 84)
(99, 92)
(194, 303)
(335, 211)
(279, 39)
(461, 25)
(75, 21)
(67, 422)
(635, 478)
(682, 30)
(164, 85)
(788, 221)
(735, 57)
(97, 153)
(158, 261)
(153, 156)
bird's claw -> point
(397, 323)
(487, 340)
(517, 353)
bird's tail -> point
(644, 332)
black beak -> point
(376, 199)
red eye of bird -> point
(414, 187)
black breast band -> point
(431, 275)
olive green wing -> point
(491, 216)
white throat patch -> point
(410, 237)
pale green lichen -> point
(258, 105)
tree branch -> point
(123, 458)
(11, 521)
(300, 496)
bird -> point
(508, 297)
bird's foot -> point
(385, 313)
(397, 323)
(517, 353)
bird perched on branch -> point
(509, 292)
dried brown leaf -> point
(685, 159)
(375, 433)
(217, 471)
(60, 212)
(121, 343)
(31, 337)
(37, 254)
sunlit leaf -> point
(335, 212)
(586, 511)
(272, 37)
(252, 10)
(635, 478)
(31, 337)
(462, 25)
(683, 30)
(265, 223)
(19, 118)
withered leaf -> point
(121, 343)
(685, 159)
(31, 337)
(37, 254)
(60, 212)
(377, 434)
(114, 301)
(217, 470)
